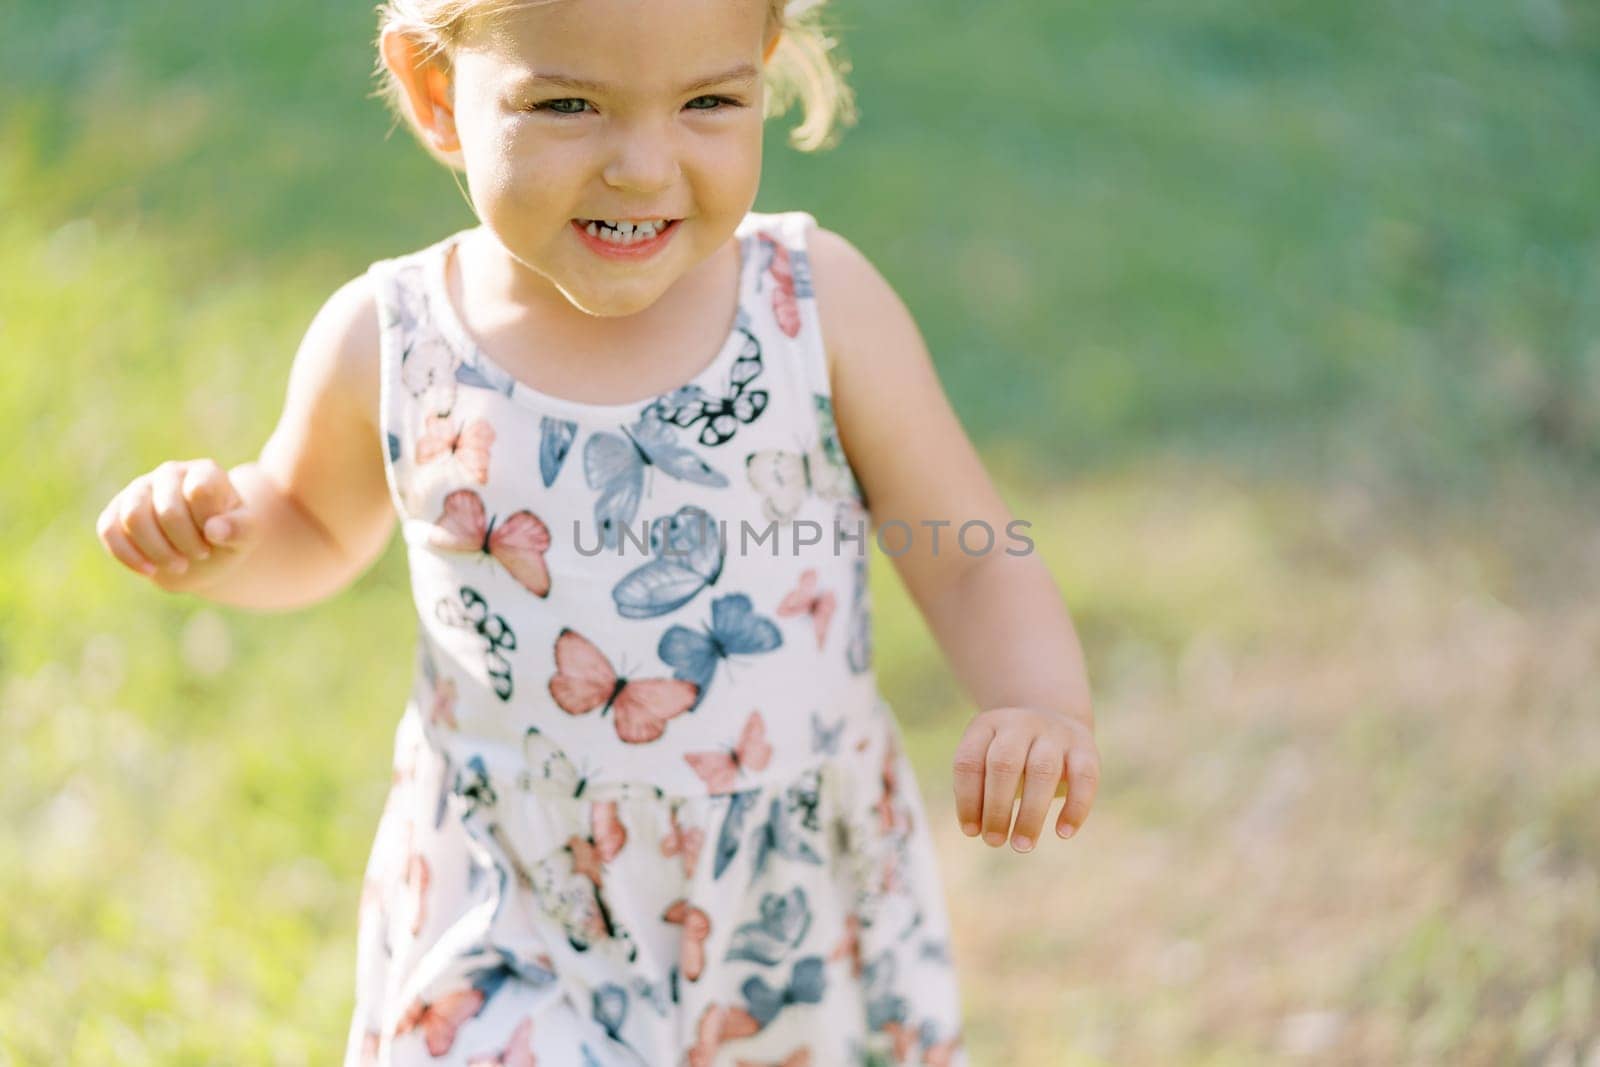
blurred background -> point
(1280, 322)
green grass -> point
(1343, 259)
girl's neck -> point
(506, 294)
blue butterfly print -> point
(535, 974)
(473, 787)
(487, 971)
(739, 805)
(446, 777)
(778, 835)
(807, 982)
(861, 1056)
(611, 1008)
(800, 267)
(555, 441)
(479, 375)
(688, 557)
(884, 1004)
(655, 994)
(690, 404)
(858, 653)
(475, 871)
(498, 965)
(394, 447)
(783, 924)
(589, 1058)
(615, 464)
(825, 739)
(805, 797)
(735, 630)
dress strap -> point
(784, 279)
(414, 370)
(783, 285)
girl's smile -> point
(625, 240)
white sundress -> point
(648, 805)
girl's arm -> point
(996, 614)
(318, 504)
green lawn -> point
(1281, 323)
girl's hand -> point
(173, 518)
(1007, 752)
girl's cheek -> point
(535, 175)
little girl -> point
(648, 807)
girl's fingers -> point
(971, 754)
(1042, 772)
(1083, 777)
(209, 492)
(1002, 772)
(116, 541)
(138, 519)
(231, 529)
(172, 511)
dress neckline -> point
(497, 377)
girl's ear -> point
(426, 88)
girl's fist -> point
(175, 518)
(1037, 755)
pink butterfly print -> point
(888, 816)
(443, 711)
(891, 881)
(849, 946)
(607, 836)
(440, 1019)
(684, 842)
(468, 444)
(416, 882)
(905, 1039)
(519, 543)
(785, 308)
(943, 1054)
(518, 1052)
(805, 600)
(585, 680)
(719, 770)
(719, 1023)
(696, 928)
(800, 1057)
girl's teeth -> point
(625, 233)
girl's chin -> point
(610, 301)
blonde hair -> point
(803, 67)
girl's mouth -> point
(616, 239)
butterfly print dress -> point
(648, 806)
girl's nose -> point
(642, 161)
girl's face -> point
(624, 110)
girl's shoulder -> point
(789, 228)
(849, 291)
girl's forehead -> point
(615, 33)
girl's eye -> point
(700, 103)
(561, 106)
